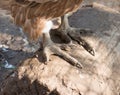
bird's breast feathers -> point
(31, 15)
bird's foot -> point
(56, 49)
(76, 35)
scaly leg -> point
(49, 48)
(75, 33)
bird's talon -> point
(79, 66)
(76, 37)
(92, 52)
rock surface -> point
(114, 4)
(100, 75)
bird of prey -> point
(36, 19)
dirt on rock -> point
(101, 73)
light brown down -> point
(31, 15)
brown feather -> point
(31, 15)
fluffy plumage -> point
(32, 15)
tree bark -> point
(100, 74)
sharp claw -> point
(92, 52)
(83, 43)
(87, 47)
(78, 65)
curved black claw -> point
(92, 52)
(76, 37)
(79, 66)
(86, 46)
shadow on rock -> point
(24, 86)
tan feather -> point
(31, 15)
